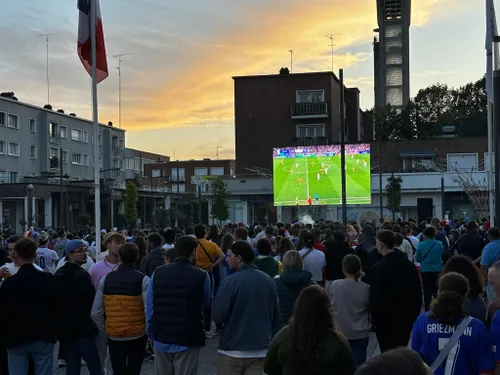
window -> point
(85, 159)
(178, 188)
(32, 125)
(2, 147)
(416, 164)
(13, 121)
(54, 158)
(4, 177)
(13, 149)
(201, 171)
(13, 177)
(2, 118)
(122, 165)
(310, 131)
(156, 173)
(53, 129)
(217, 171)
(121, 144)
(76, 135)
(178, 174)
(115, 164)
(76, 159)
(64, 132)
(33, 152)
(310, 96)
(462, 162)
(85, 136)
(100, 141)
(100, 162)
(65, 156)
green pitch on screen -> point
(317, 180)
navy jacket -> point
(177, 297)
(247, 305)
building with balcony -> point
(391, 51)
(281, 110)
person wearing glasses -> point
(77, 332)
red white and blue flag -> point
(84, 39)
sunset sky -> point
(177, 91)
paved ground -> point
(207, 365)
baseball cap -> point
(43, 236)
(74, 245)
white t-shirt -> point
(314, 263)
(47, 259)
(85, 266)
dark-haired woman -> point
(474, 304)
(429, 255)
(395, 362)
(309, 345)
(433, 329)
(351, 307)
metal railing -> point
(310, 110)
(310, 141)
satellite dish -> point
(167, 202)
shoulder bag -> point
(451, 343)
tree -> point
(393, 191)
(434, 107)
(220, 208)
(130, 203)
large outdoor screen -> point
(312, 175)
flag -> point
(84, 39)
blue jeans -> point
(42, 353)
(75, 350)
(358, 348)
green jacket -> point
(334, 357)
(268, 265)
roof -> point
(329, 73)
(417, 153)
(54, 112)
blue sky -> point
(177, 86)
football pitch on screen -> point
(317, 180)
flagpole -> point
(489, 92)
(97, 167)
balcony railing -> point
(115, 150)
(53, 140)
(310, 141)
(309, 110)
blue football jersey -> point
(495, 336)
(470, 356)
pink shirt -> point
(101, 269)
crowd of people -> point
(283, 299)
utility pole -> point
(331, 45)
(217, 152)
(119, 68)
(47, 36)
(61, 208)
(342, 147)
(291, 60)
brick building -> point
(299, 109)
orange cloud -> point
(202, 92)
